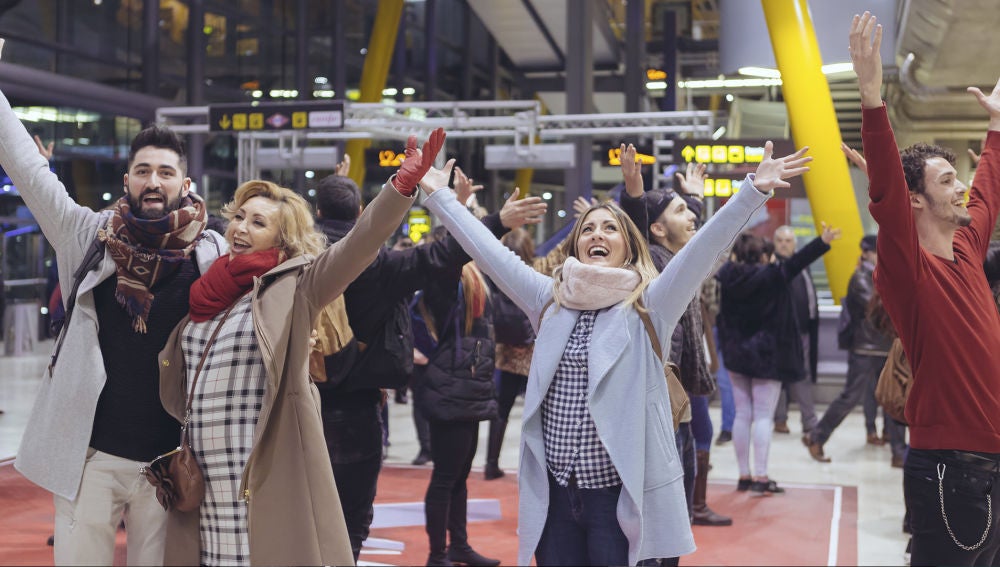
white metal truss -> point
(520, 123)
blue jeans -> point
(725, 390)
(581, 527)
(701, 423)
(967, 479)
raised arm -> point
(337, 266)
(57, 214)
(526, 287)
(670, 293)
(984, 196)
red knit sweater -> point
(943, 311)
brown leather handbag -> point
(177, 475)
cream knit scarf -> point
(587, 288)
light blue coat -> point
(627, 393)
(54, 447)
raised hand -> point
(464, 189)
(46, 151)
(991, 103)
(772, 173)
(519, 212)
(865, 42)
(581, 205)
(418, 162)
(693, 182)
(829, 233)
(631, 171)
(435, 178)
(343, 168)
(855, 157)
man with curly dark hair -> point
(933, 238)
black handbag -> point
(176, 475)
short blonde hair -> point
(297, 232)
(638, 259)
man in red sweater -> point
(931, 247)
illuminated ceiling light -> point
(106, 196)
(834, 68)
(727, 83)
(547, 196)
(275, 93)
(764, 72)
(730, 98)
(310, 174)
(409, 91)
(321, 80)
(312, 192)
(561, 213)
(656, 85)
(719, 133)
(391, 91)
(257, 94)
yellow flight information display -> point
(277, 116)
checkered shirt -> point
(572, 446)
(227, 403)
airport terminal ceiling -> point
(88, 73)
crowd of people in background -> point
(173, 330)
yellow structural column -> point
(381, 45)
(814, 124)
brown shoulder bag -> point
(176, 475)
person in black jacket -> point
(351, 408)
(455, 391)
(759, 334)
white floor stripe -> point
(838, 501)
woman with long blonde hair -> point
(600, 482)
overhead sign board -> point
(729, 161)
(276, 116)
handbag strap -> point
(197, 372)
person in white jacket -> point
(600, 482)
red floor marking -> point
(792, 529)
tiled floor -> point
(880, 507)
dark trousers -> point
(685, 448)
(453, 445)
(509, 388)
(966, 481)
(862, 372)
(581, 527)
(354, 441)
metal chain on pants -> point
(989, 513)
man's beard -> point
(168, 206)
(948, 210)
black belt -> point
(979, 460)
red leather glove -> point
(417, 162)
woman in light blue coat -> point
(600, 482)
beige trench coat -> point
(295, 516)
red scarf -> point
(227, 280)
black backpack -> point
(510, 325)
(386, 361)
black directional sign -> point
(272, 116)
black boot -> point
(498, 427)
(703, 515)
(468, 556)
(436, 524)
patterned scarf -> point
(148, 250)
(227, 280)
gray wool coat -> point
(627, 393)
(54, 447)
